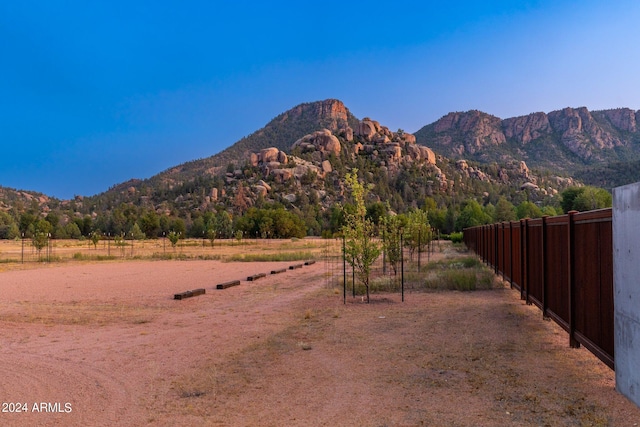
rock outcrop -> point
(580, 132)
(623, 119)
(268, 156)
(421, 153)
(331, 110)
(526, 128)
(590, 136)
(469, 132)
(322, 141)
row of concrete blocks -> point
(225, 285)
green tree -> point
(287, 224)
(95, 238)
(505, 211)
(278, 223)
(150, 224)
(336, 219)
(591, 198)
(528, 210)
(211, 235)
(40, 240)
(53, 219)
(224, 225)
(72, 231)
(437, 218)
(568, 196)
(41, 234)
(361, 248)
(376, 211)
(266, 228)
(178, 226)
(136, 232)
(27, 221)
(450, 219)
(85, 225)
(173, 237)
(8, 227)
(391, 227)
(471, 215)
(417, 233)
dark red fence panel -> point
(535, 266)
(562, 264)
(593, 281)
(516, 254)
(557, 269)
(507, 253)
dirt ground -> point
(104, 344)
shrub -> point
(456, 237)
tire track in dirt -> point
(64, 387)
(107, 371)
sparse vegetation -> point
(459, 274)
(279, 256)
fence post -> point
(511, 253)
(523, 259)
(503, 251)
(573, 342)
(353, 275)
(344, 269)
(402, 264)
(384, 254)
(495, 248)
(419, 243)
(545, 304)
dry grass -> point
(77, 313)
(287, 351)
(14, 256)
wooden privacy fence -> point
(563, 265)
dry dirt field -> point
(104, 344)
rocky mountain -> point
(280, 133)
(299, 160)
(570, 141)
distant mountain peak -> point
(568, 140)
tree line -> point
(273, 220)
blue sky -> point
(95, 93)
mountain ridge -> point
(573, 137)
(569, 139)
(299, 160)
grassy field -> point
(17, 253)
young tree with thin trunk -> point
(360, 245)
(418, 232)
(391, 226)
